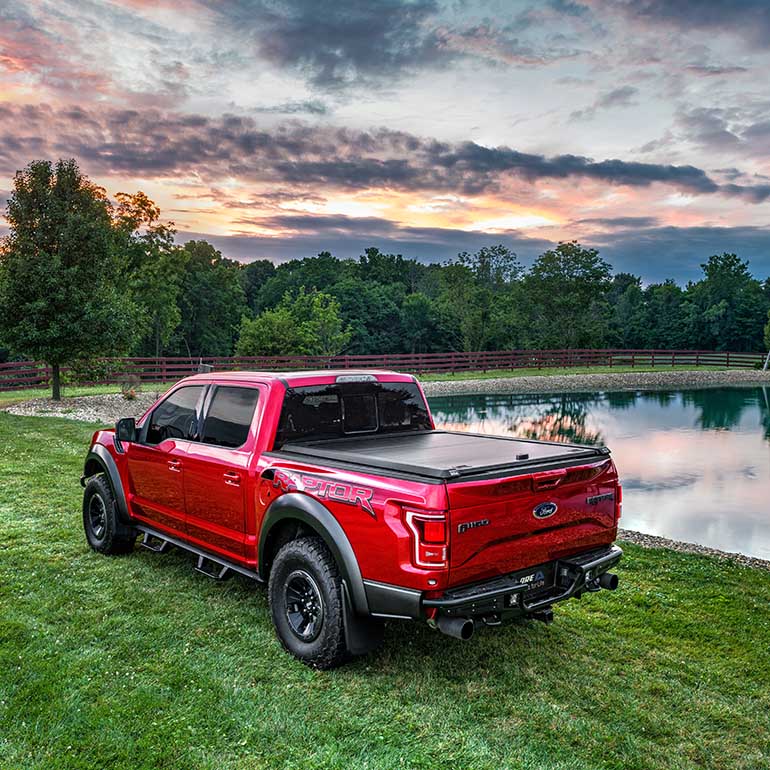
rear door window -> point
(176, 416)
(229, 416)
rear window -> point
(229, 417)
(316, 412)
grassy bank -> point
(16, 396)
(139, 662)
(562, 371)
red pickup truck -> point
(336, 489)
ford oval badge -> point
(544, 510)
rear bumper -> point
(502, 597)
(508, 595)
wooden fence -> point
(16, 375)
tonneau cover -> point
(442, 454)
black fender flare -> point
(98, 456)
(295, 505)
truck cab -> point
(336, 489)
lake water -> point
(694, 464)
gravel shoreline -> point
(653, 541)
(572, 383)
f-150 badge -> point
(326, 489)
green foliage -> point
(151, 269)
(253, 277)
(306, 324)
(567, 289)
(211, 302)
(59, 300)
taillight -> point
(618, 502)
(429, 539)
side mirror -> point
(125, 430)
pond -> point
(694, 464)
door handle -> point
(232, 478)
(175, 465)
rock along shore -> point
(572, 383)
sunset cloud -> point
(421, 126)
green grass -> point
(139, 662)
(16, 396)
(8, 397)
(556, 371)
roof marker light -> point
(355, 378)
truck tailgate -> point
(509, 523)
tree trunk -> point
(56, 377)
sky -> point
(281, 129)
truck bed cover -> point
(440, 454)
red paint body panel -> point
(216, 498)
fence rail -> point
(16, 375)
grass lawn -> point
(16, 396)
(139, 662)
(8, 397)
(565, 371)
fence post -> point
(727, 359)
(697, 359)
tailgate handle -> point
(548, 479)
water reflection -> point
(695, 464)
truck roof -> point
(303, 376)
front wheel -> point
(104, 530)
(305, 593)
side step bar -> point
(155, 543)
(213, 573)
(159, 542)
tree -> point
(729, 306)
(568, 288)
(307, 324)
(418, 319)
(272, 333)
(58, 296)
(152, 268)
(253, 277)
(211, 301)
(372, 313)
(492, 266)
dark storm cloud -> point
(657, 253)
(339, 41)
(748, 18)
(110, 141)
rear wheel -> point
(105, 532)
(305, 593)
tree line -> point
(83, 276)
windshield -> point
(316, 412)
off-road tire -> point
(105, 532)
(295, 562)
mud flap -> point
(362, 634)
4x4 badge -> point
(544, 510)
